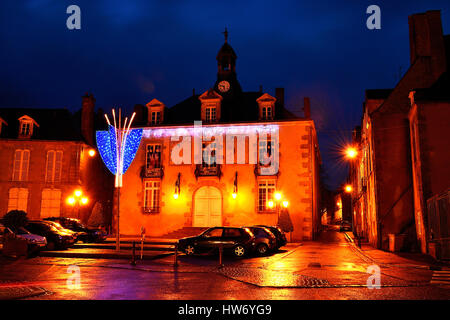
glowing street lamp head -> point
(175, 195)
(78, 193)
(278, 196)
(91, 152)
(234, 195)
(351, 153)
(84, 200)
(270, 204)
(285, 203)
(348, 188)
(70, 201)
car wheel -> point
(262, 249)
(239, 251)
(189, 250)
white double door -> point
(207, 207)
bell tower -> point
(227, 84)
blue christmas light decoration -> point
(118, 147)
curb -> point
(94, 255)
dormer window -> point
(155, 112)
(211, 103)
(266, 105)
(2, 122)
(210, 114)
(155, 117)
(266, 113)
(26, 126)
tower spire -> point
(225, 33)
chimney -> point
(279, 94)
(306, 108)
(426, 40)
(87, 118)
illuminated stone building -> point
(384, 190)
(169, 188)
(45, 156)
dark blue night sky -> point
(128, 52)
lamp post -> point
(77, 199)
(117, 147)
(278, 202)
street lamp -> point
(348, 188)
(351, 153)
(278, 202)
(78, 200)
(91, 152)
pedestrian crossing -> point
(441, 277)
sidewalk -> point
(396, 259)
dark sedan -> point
(56, 239)
(265, 240)
(281, 237)
(238, 241)
(85, 233)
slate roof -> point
(54, 124)
(243, 108)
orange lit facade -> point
(45, 159)
(384, 174)
(164, 195)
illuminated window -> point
(265, 145)
(151, 196)
(54, 164)
(18, 199)
(156, 117)
(209, 154)
(50, 203)
(153, 156)
(210, 114)
(266, 190)
(21, 163)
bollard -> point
(175, 262)
(220, 256)
(133, 258)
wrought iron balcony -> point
(202, 170)
(267, 172)
(152, 172)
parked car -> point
(238, 241)
(265, 240)
(279, 235)
(86, 234)
(34, 241)
(76, 235)
(345, 226)
(56, 238)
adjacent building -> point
(46, 155)
(219, 158)
(384, 188)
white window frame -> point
(53, 167)
(50, 203)
(266, 113)
(18, 199)
(21, 165)
(265, 146)
(269, 187)
(152, 192)
(28, 125)
(209, 151)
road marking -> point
(441, 277)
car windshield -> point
(22, 231)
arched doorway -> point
(207, 207)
